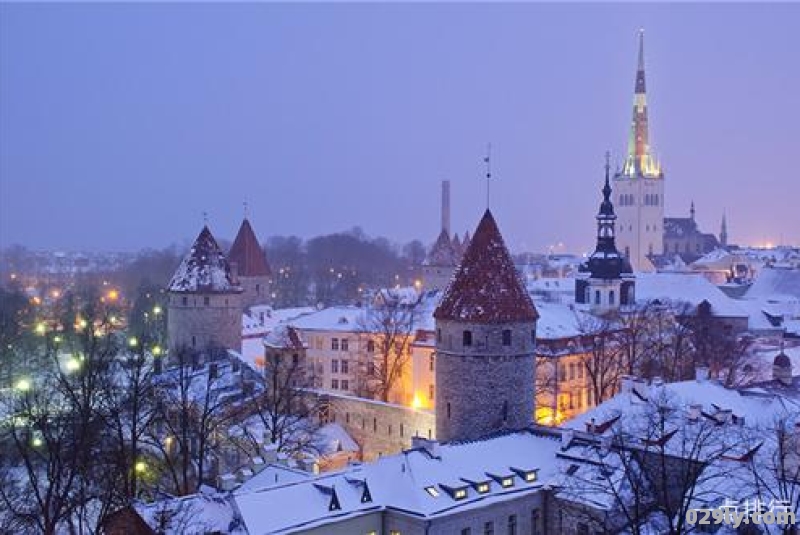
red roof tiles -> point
(247, 253)
(486, 287)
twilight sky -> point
(121, 124)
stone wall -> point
(256, 290)
(200, 320)
(485, 386)
(379, 428)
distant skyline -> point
(120, 124)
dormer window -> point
(529, 476)
(482, 488)
(433, 491)
(505, 481)
(457, 493)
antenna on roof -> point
(488, 161)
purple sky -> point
(121, 124)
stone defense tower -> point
(205, 300)
(606, 280)
(485, 339)
(640, 186)
(249, 262)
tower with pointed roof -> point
(205, 305)
(249, 262)
(442, 259)
(605, 281)
(485, 339)
(640, 185)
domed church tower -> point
(606, 280)
(485, 338)
(205, 305)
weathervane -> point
(205, 217)
(245, 209)
(488, 161)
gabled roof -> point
(248, 254)
(204, 269)
(486, 287)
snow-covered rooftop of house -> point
(754, 405)
(776, 284)
(400, 481)
(284, 337)
(196, 513)
(558, 321)
(691, 288)
(272, 475)
(263, 318)
(335, 318)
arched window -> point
(467, 339)
(505, 411)
(597, 297)
(507, 337)
(611, 297)
(448, 409)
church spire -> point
(640, 161)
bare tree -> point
(190, 410)
(653, 464)
(288, 409)
(56, 472)
(601, 355)
(386, 330)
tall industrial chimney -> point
(446, 206)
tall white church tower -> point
(639, 186)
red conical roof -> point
(486, 287)
(248, 254)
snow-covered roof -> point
(335, 318)
(400, 482)
(205, 268)
(558, 321)
(196, 513)
(686, 287)
(272, 475)
(755, 406)
(261, 319)
(284, 337)
(776, 284)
